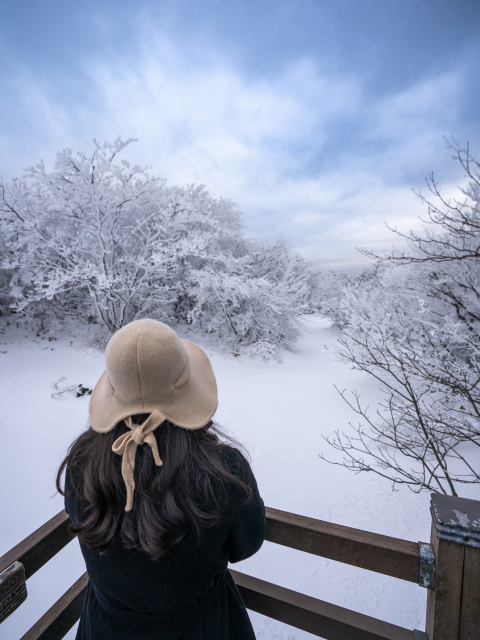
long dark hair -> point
(187, 492)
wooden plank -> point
(372, 551)
(40, 546)
(470, 607)
(60, 618)
(390, 556)
(382, 554)
(320, 618)
(443, 603)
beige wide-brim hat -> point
(150, 369)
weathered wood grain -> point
(60, 618)
(470, 607)
(383, 554)
(443, 603)
(40, 546)
(320, 618)
(372, 551)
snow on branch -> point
(412, 322)
(107, 243)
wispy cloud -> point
(307, 153)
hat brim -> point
(191, 406)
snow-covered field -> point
(280, 411)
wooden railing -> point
(453, 607)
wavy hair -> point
(187, 492)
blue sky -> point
(317, 117)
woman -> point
(160, 504)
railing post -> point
(453, 607)
(443, 603)
(470, 612)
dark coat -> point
(187, 594)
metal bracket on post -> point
(13, 589)
(426, 578)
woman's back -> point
(187, 592)
(158, 524)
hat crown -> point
(150, 369)
(144, 360)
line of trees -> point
(412, 321)
(105, 242)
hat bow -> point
(126, 446)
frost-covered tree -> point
(246, 293)
(81, 237)
(103, 241)
(5, 277)
(240, 291)
(417, 331)
(334, 283)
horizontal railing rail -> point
(40, 546)
(319, 618)
(453, 610)
(59, 619)
(372, 551)
(323, 619)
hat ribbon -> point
(126, 446)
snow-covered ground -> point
(280, 411)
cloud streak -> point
(308, 153)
